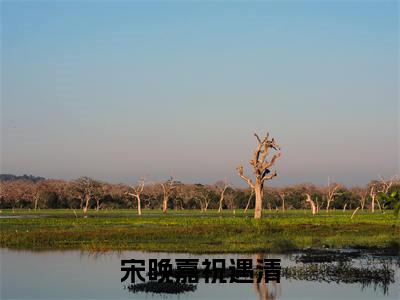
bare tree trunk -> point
(206, 205)
(355, 212)
(139, 205)
(165, 204)
(313, 207)
(97, 205)
(363, 197)
(220, 204)
(248, 202)
(87, 201)
(379, 204)
(168, 187)
(258, 191)
(221, 199)
(344, 208)
(373, 195)
(373, 204)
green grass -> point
(196, 232)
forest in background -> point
(33, 192)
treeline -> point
(36, 192)
(6, 177)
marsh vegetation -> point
(197, 232)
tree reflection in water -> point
(343, 268)
(265, 291)
(340, 269)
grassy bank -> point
(192, 231)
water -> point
(82, 275)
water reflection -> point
(264, 290)
(96, 275)
(267, 291)
(338, 267)
(344, 267)
(175, 288)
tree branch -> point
(244, 177)
(269, 177)
(266, 165)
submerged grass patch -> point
(193, 231)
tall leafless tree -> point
(137, 191)
(362, 194)
(376, 187)
(168, 187)
(373, 193)
(312, 203)
(331, 192)
(222, 189)
(261, 171)
(204, 196)
(318, 206)
(386, 185)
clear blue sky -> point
(116, 90)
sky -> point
(116, 90)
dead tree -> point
(204, 196)
(261, 171)
(313, 206)
(379, 187)
(331, 192)
(222, 189)
(354, 212)
(372, 194)
(317, 205)
(137, 191)
(248, 202)
(363, 194)
(386, 185)
(168, 187)
(204, 201)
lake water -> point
(83, 275)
